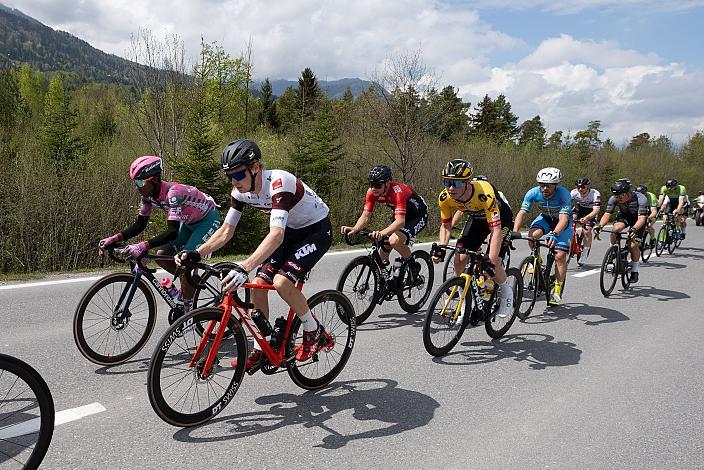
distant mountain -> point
(24, 39)
(332, 88)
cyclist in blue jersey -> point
(555, 220)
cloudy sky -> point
(636, 65)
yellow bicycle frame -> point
(467, 281)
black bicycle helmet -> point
(671, 183)
(621, 186)
(583, 180)
(457, 169)
(480, 178)
(380, 174)
(238, 153)
(642, 188)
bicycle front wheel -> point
(449, 265)
(496, 326)
(609, 271)
(105, 329)
(415, 287)
(334, 311)
(180, 391)
(662, 239)
(360, 282)
(26, 415)
(646, 248)
(446, 317)
(529, 294)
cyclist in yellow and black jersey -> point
(488, 214)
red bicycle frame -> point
(230, 307)
(576, 246)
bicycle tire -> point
(449, 265)
(339, 322)
(362, 302)
(678, 242)
(186, 337)
(208, 298)
(530, 285)
(407, 281)
(17, 443)
(646, 249)
(607, 280)
(491, 323)
(625, 277)
(455, 328)
(83, 313)
(660, 243)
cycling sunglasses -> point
(452, 183)
(376, 185)
(142, 183)
(237, 175)
(581, 185)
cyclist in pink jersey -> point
(409, 218)
(191, 216)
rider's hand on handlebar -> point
(438, 254)
(234, 279)
(347, 230)
(187, 256)
(377, 235)
(106, 243)
(137, 249)
(551, 239)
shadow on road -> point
(539, 351)
(134, 366)
(587, 314)
(657, 263)
(387, 321)
(649, 291)
(379, 407)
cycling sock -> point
(505, 290)
(635, 265)
(558, 288)
(309, 323)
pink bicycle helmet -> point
(145, 168)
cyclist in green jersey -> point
(653, 203)
(678, 198)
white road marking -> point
(62, 417)
(587, 273)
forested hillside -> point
(66, 142)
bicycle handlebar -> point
(346, 237)
(197, 282)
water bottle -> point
(278, 335)
(169, 287)
(488, 289)
(261, 322)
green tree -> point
(288, 111)
(493, 119)
(59, 138)
(30, 83)
(532, 131)
(268, 117)
(10, 101)
(555, 140)
(308, 94)
(447, 113)
(639, 141)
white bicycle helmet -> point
(549, 175)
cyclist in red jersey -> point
(410, 213)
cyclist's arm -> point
(596, 208)
(563, 222)
(661, 201)
(519, 220)
(495, 241)
(265, 249)
(398, 223)
(362, 222)
(218, 240)
(640, 222)
(680, 205)
(136, 228)
(456, 218)
(605, 218)
(445, 232)
(167, 236)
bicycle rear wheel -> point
(334, 311)
(360, 282)
(415, 288)
(447, 317)
(529, 274)
(496, 326)
(104, 334)
(609, 271)
(646, 248)
(186, 396)
(26, 415)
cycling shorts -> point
(191, 236)
(475, 232)
(630, 222)
(547, 224)
(301, 250)
(580, 212)
(412, 227)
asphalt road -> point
(598, 383)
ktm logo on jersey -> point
(277, 184)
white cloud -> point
(566, 7)
(567, 81)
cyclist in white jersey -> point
(299, 235)
(587, 203)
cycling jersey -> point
(673, 193)
(652, 199)
(288, 200)
(181, 202)
(482, 205)
(401, 198)
(636, 205)
(591, 201)
(558, 203)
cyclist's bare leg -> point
(635, 250)
(291, 295)
(587, 231)
(397, 241)
(560, 265)
(618, 227)
(460, 262)
(260, 297)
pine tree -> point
(532, 132)
(449, 114)
(494, 120)
(308, 94)
(59, 138)
(268, 117)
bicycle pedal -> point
(253, 369)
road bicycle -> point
(668, 235)
(192, 376)
(647, 244)
(449, 266)
(538, 276)
(116, 316)
(577, 243)
(468, 300)
(369, 282)
(26, 415)
(615, 263)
